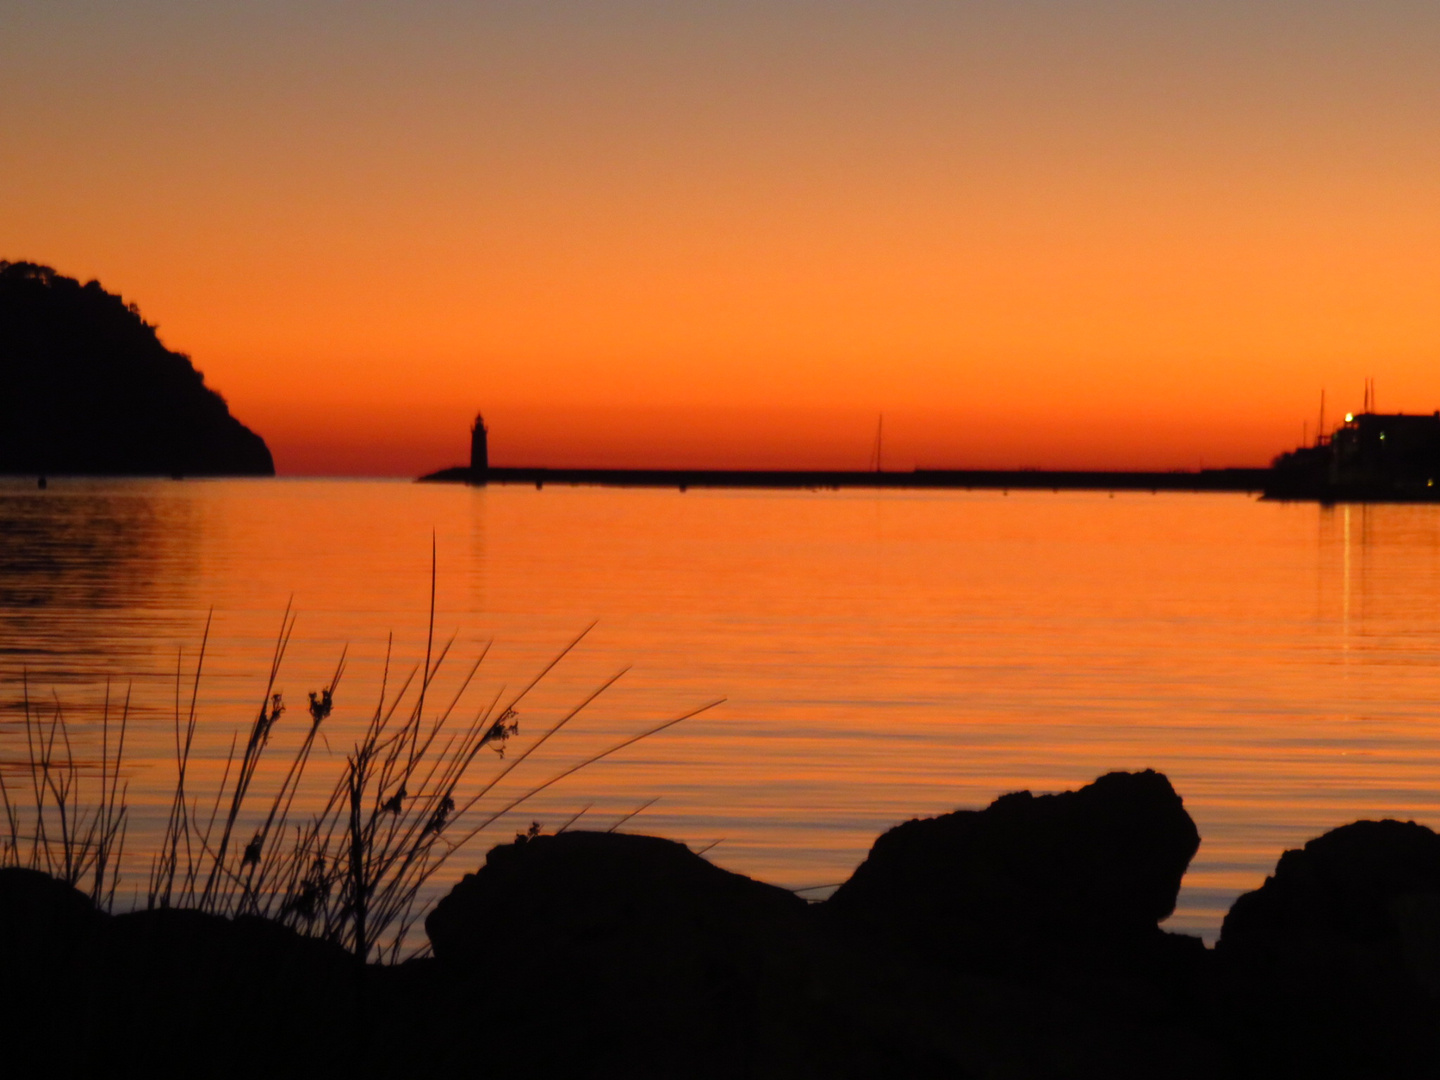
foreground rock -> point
(643, 952)
(656, 963)
(173, 993)
(1019, 941)
(1033, 882)
(1333, 965)
(583, 890)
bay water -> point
(881, 655)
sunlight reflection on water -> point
(884, 655)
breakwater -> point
(1247, 480)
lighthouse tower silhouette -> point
(479, 450)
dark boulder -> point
(580, 887)
(43, 921)
(1031, 882)
(1333, 964)
(229, 996)
(642, 959)
(83, 993)
(641, 955)
(48, 936)
(1054, 900)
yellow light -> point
(1349, 417)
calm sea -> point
(881, 656)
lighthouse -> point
(479, 450)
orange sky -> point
(1031, 234)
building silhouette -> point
(1387, 456)
(1393, 451)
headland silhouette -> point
(87, 388)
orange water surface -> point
(881, 655)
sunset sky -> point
(1029, 232)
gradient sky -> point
(1030, 232)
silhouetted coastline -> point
(87, 389)
(1017, 941)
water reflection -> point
(90, 574)
(884, 654)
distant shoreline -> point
(1232, 480)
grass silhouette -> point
(351, 868)
(73, 837)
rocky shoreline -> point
(1017, 941)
